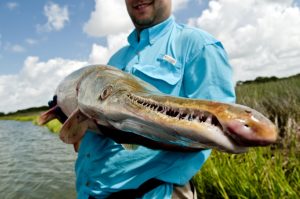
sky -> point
(43, 41)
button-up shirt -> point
(180, 61)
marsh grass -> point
(54, 125)
(265, 172)
(260, 173)
(23, 118)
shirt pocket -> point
(165, 71)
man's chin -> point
(144, 22)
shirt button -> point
(87, 183)
(88, 155)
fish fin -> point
(76, 146)
(74, 128)
(47, 116)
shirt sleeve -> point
(208, 75)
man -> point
(178, 60)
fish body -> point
(102, 95)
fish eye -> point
(106, 92)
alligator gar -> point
(102, 95)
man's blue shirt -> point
(180, 61)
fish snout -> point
(251, 133)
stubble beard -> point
(154, 17)
(143, 23)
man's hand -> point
(58, 112)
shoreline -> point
(53, 126)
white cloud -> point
(35, 84)
(109, 17)
(101, 54)
(12, 5)
(16, 48)
(262, 37)
(179, 4)
(57, 17)
(31, 41)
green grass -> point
(23, 118)
(260, 173)
(54, 125)
(267, 172)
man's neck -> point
(139, 29)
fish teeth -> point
(178, 115)
(208, 120)
(186, 117)
(175, 113)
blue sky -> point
(20, 25)
(21, 37)
(43, 41)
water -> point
(34, 163)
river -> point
(34, 163)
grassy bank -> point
(23, 118)
(260, 173)
(268, 172)
(53, 125)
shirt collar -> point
(151, 34)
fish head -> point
(66, 91)
(202, 123)
(246, 126)
(103, 94)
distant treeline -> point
(265, 79)
(26, 111)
